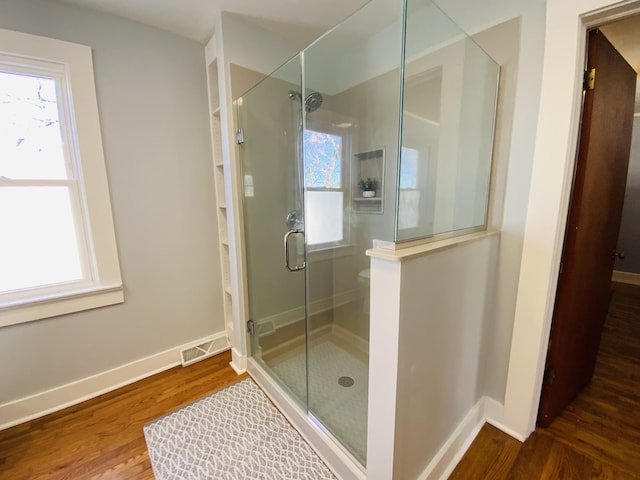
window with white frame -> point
(57, 247)
(409, 207)
(324, 188)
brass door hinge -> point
(589, 79)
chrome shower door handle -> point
(286, 251)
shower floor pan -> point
(337, 385)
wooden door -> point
(584, 284)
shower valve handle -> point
(286, 251)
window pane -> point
(409, 209)
(38, 244)
(409, 168)
(322, 160)
(30, 139)
(323, 217)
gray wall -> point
(629, 240)
(153, 109)
(445, 304)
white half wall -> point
(445, 301)
(430, 310)
(383, 367)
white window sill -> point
(424, 247)
(27, 310)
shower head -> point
(311, 103)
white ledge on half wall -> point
(426, 246)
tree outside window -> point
(324, 187)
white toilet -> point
(363, 285)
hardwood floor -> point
(597, 436)
(102, 438)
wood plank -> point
(492, 456)
(102, 438)
(598, 435)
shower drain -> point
(346, 381)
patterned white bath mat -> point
(235, 433)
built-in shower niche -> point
(368, 181)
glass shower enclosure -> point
(381, 129)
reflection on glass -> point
(450, 89)
(356, 69)
(409, 201)
(409, 168)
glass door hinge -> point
(240, 136)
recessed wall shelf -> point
(219, 172)
(367, 199)
(368, 165)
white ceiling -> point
(195, 19)
(297, 20)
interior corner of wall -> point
(494, 413)
(493, 410)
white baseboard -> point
(351, 338)
(486, 410)
(282, 319)
(494, 413)
(456, 445)
(509, 431)
(49, 401)
(626, 277)
(493, 410)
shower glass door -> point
(270, 116)
(350, 137)
(314, 131)
(310, 319)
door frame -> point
(551, 182)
